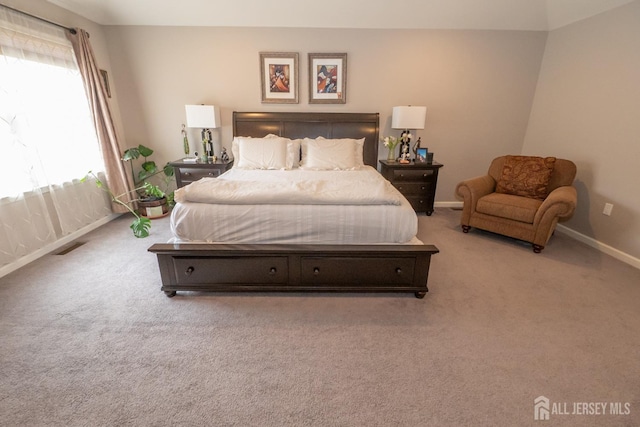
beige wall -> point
(478, 86)
(587, 109)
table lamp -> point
(406, 118)
(205, 117)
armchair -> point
(522, 197)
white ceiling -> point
(437, 14)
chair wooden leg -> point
(466, 228)
(537, 248)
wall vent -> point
(68, 248)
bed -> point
(299, 227)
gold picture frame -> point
(279, 77)
(327, 78)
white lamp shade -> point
(408, 117)
(202, 116)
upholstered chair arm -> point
(471, 190)
(560, 203)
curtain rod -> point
(71, 30)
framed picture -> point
(327, 78)
(279, 77)
(421, 155)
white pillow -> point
(359, 145)
(293, 150)
(234, 150)
(261, 153)
(348, 153)
(328, 154)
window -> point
(46, 130)
(47, 143)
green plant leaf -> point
(150, 166)
(131, 153)
(141, 227)
(153, 190)
(168, 170)
(145, 151)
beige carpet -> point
(88, 339)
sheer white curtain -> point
(47, 140)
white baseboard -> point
(617, 254)
(604, 248)
(55, 245)
(452, 205)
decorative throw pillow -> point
(526, 176)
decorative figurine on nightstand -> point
(405, 145)
(185, 140)
(223, 155)
(416, 146)
(405, 157)
(207, 149)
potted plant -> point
(152, 201)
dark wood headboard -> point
(312, 125)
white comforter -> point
(293, 222)
(362, 187)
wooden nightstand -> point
(188, 172)
(416, 181)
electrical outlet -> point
(608, 207)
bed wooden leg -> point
(466, 228)
(420, 294)
(170, 294)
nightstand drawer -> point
(412, 188)
(416, 181)
(412, 175)
(419, 204)
(188, 172)
(189, 175)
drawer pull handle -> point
(187, 174)
(316, 271)
(400, 187)
(423, 187)
(401, 175)
(424, 175)
(188, 271)
(273, 271)
(210, 173)
(398, 270)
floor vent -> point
(68, 248)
